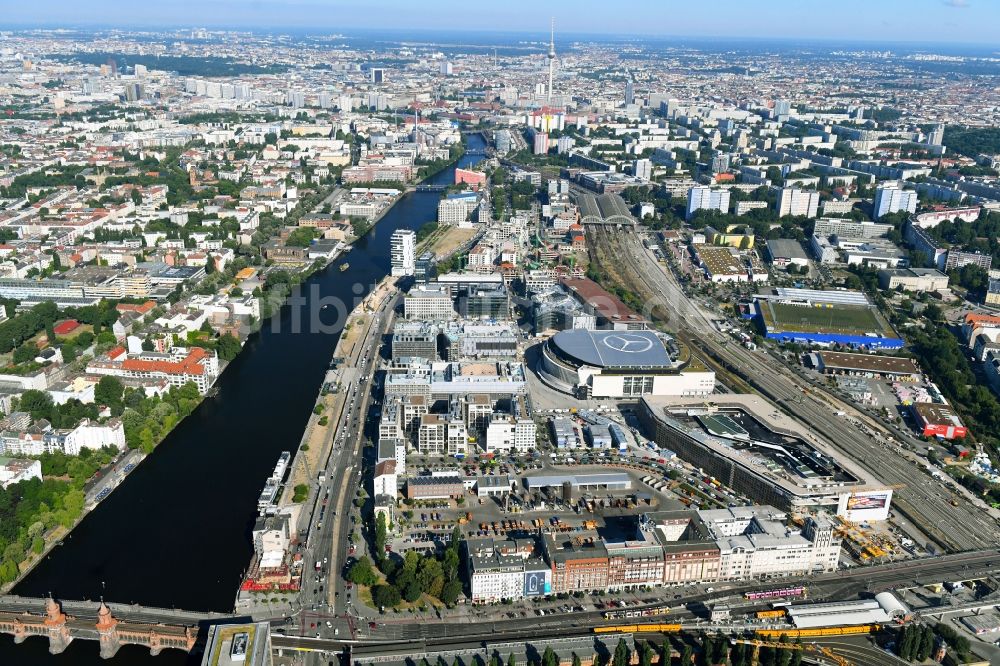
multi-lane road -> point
(327, 603)
(926, 504)
(843, 584)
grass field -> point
(841, 319)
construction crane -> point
(805, 647)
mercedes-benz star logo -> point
(631, 344)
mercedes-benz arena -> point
(617, 364)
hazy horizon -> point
(949, 22)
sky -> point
(948, 21)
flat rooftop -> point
(611, 480)
(889, 365)
(238, 645)
(719, 260)
(753, 434)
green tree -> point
(109, 391)
(622, 655)
(926, 643)
(228, 346)
(385, 596)
(362, 573)
(38, 403)
(904, 645)
(412, 591)
(450, 592)
(549, 657)
(646, 655)
(510, 660)
(381, 537)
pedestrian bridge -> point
(113, 625)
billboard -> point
(859, 501)
(865, 505)
(537, 583)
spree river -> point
(176, 532)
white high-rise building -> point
(541, 143)
(403, 252)
(793, 201)
(936, 136)
(643, 169)
(893, 198)
(700, 198)
(629, 91)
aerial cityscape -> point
(524, 335)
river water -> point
(176, 532)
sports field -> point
(839, 319)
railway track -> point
(954, 528)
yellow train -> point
(639, 629)
(770, 614)
(774, 634)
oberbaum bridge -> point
(62, 622)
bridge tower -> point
(107, 630)
(55, 627)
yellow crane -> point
(806, 647)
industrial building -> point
(721, 264)
(607, 309)
(786, 251)
(866, 365)
(434, 487)
(577, 483)
(937, 420)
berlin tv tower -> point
(552, 58)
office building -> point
(429, 301)
(376, 75)
(403, 252)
